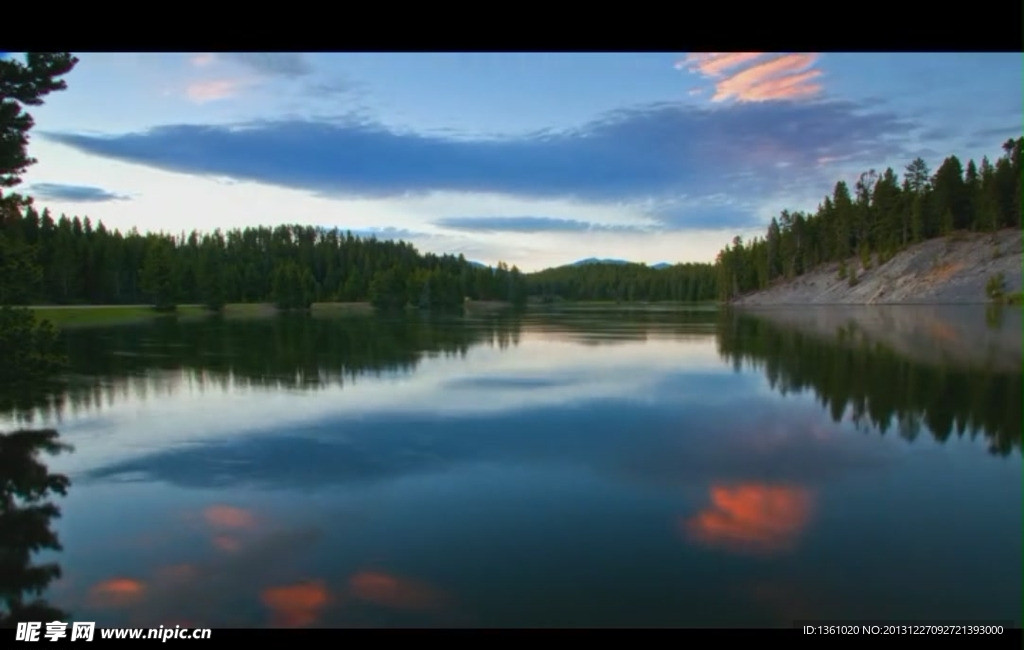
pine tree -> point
(157, 277)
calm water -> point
(584, 467)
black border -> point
(793, 637)
(492, 27)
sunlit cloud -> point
(394, 592)
(295, 605)
(202, 60)
(713, 64)
(116, 592)
(208, 91)
(750, 77)
(752, 518)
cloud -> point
(750, 77)
(268, 64)
(712, 64)
(530, 224)
(81, 193)
(328, 89)
(207, 91)
(388, 233)
(277, 64)
(1010, 130)
(661, 151)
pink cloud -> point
(712, 64)
(202, 60)
(749, 77)
(791, 87)
(205, 91)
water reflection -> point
(908, 371)
(752, 518)
(295, 605)
(26, 513)
(555, 468)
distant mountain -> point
(594, 260)
(479, 265)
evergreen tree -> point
(293, 286)
(157, 277)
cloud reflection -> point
(116, 592)
(295, 605)
(222, 516)
(394, 592)
(752, 517)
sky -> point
(534, 159)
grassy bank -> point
(73, 315)
(82, 315)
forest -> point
(625, 282)
(69, 261)
(881, 217)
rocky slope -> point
(943, 270)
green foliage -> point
(843, 272)
(29, 349)
(853, 280)
(19, 274)
(157, 277)
(210, 278)
(25, 84)
(388, 290)
(995, 288)
(294, 287)
(29, 353)
(626, 282)
(865, 257)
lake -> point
(573, 467)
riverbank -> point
(85, 315)
(947, 270)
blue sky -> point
(531, 158)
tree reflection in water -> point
(26, 512)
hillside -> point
(940, 270)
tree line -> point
(689, 282)
(69, 261)
(880, 217)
